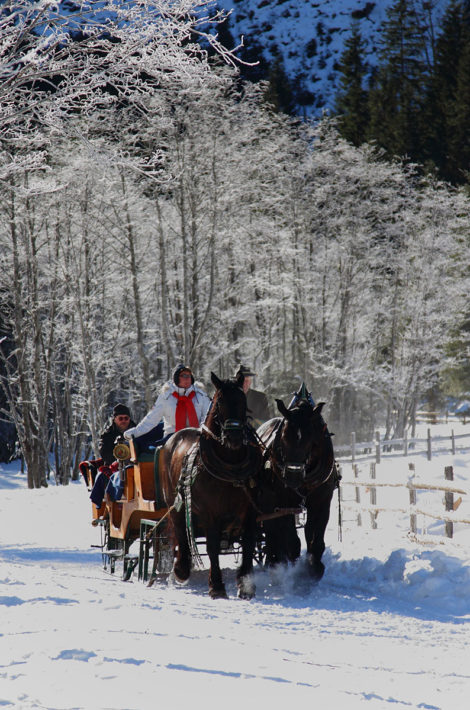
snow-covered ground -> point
(387, 627)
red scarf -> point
(185, 411)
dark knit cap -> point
(179, 369)
(121, 409)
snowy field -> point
(387, 627)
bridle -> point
(212, 458)
(296, 470)
(226, 427)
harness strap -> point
(187, 479)
(340, 516)
(278, 513)
(153, 575)
(206, 430)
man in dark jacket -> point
(120, 423)
(256, 401)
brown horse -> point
(300, 472)
(207, 475)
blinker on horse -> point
(300, 471)
(211, 471)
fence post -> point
(412, 491)
(353, 447)
(429, 445)
(452, 436)
(358, 495)
(373, 498)
(405, 443)
(377, 447)
(449, 500)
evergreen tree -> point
(446, 111)
(459, 115)
(396, 100)
(351, 102)
(279, 93)
(255, 67)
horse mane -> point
(210, 416)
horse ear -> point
(215, 381)
(319, 407)
(282, 408)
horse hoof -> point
(316, 569)
(244, 594)
(246, 589)
(218, 593)
(178, 578)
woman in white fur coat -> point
(180, 404)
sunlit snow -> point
(387, 627)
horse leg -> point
(216, 585)
(276, 549)
(292, 540)
(282, 542)
(318, 514)
(245, 583)
(182, 563)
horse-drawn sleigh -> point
(227, 487)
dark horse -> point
(300, 473)
(211, 471)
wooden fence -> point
(427, 417)
(402, 447)
(359, 505)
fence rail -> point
(426, 417)
(379, 447)
(448, 516)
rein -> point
(208, 431)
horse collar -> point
(236, 473)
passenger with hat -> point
(181, 403)
(120, 422)
(256, 401)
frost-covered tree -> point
(190, 222)
(54, 64)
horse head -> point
(227, 417)
(302, 449)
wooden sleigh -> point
(139, 514)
